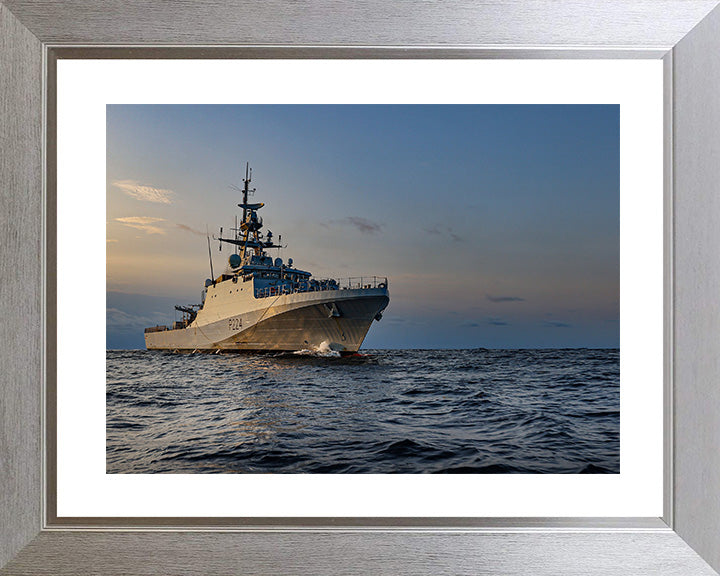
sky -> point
(497, 226)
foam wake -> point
(322, 351)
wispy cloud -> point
(446, 231)
(145, 223)
(403, 321)
(120, 320)
(490, 321)
(144, 192)
(554, 324)
(190, 229)
(497, 299)
(362, 224)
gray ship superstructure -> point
(261, 303)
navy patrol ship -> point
(260, 303)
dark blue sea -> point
(387, 411)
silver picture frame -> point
(685, 34)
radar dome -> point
(208, 282)
(234, 261)
(290, 261)
(278, 262)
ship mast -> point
(246, 190)
(250, 236)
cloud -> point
(144, 223)
(191, 230)
(446, 231)
(363, 225)
(117, 319)
(491, 321)
(497, 299)
(403, 321)
(144, 192)
(553, 324)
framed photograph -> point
(568, 170)
(476, 360)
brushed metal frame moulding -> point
(684, 33)
(53, 53)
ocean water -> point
(387, 411)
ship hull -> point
(336, 320)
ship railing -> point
(321, 285)
(361, 282)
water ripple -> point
(387, 411)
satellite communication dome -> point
(234, 261)
(208, 282)
(278, 262)
(290, 261)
